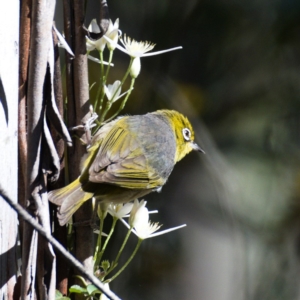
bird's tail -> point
(69, 198)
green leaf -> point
(60, 296)
(77, 289)
(92, 290)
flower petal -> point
(145, 46)
(113, 90)
(126, 209)
(93, 27)
(99, 61)
(115, 44)
(63, 43)
(120, 210)
(141, 219)
(136, 206)
(117, 98)
(163, 51)
(167, 230)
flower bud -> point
(135, 67)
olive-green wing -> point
(120, 160)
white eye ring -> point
(186, 134)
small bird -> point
(127, 159)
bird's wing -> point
(120, 160)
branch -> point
(26, 216)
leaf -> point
(77, 289)
(60, 296)
(92, 290)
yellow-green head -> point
(183, 131)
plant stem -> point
(102, 65)
(100, 88)
(107, 240)
(98, 245)
(127, 262)
(123, 102)
(111, 52)
(104, 79)
(108, 104)
(115, 262)
(70, 240)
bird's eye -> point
(186, 134)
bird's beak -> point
(197, 148)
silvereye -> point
(127, 159)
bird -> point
(127, 158)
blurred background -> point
(237, 79)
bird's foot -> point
(87, 127)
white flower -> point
(143, 227)
(135, 67)
(119, 210)
(112, 33)
(98, 44)
(136, 206)
(113, 90)
(141, 217)
(137, 49)
(134, 48)
(139, 220)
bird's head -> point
(184, 133)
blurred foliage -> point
(237, 78)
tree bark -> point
(84, 243)
(40, 43)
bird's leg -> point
(86, 127)
(93, 221)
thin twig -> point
(24, 58)
(26, 216)
(83, 250)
